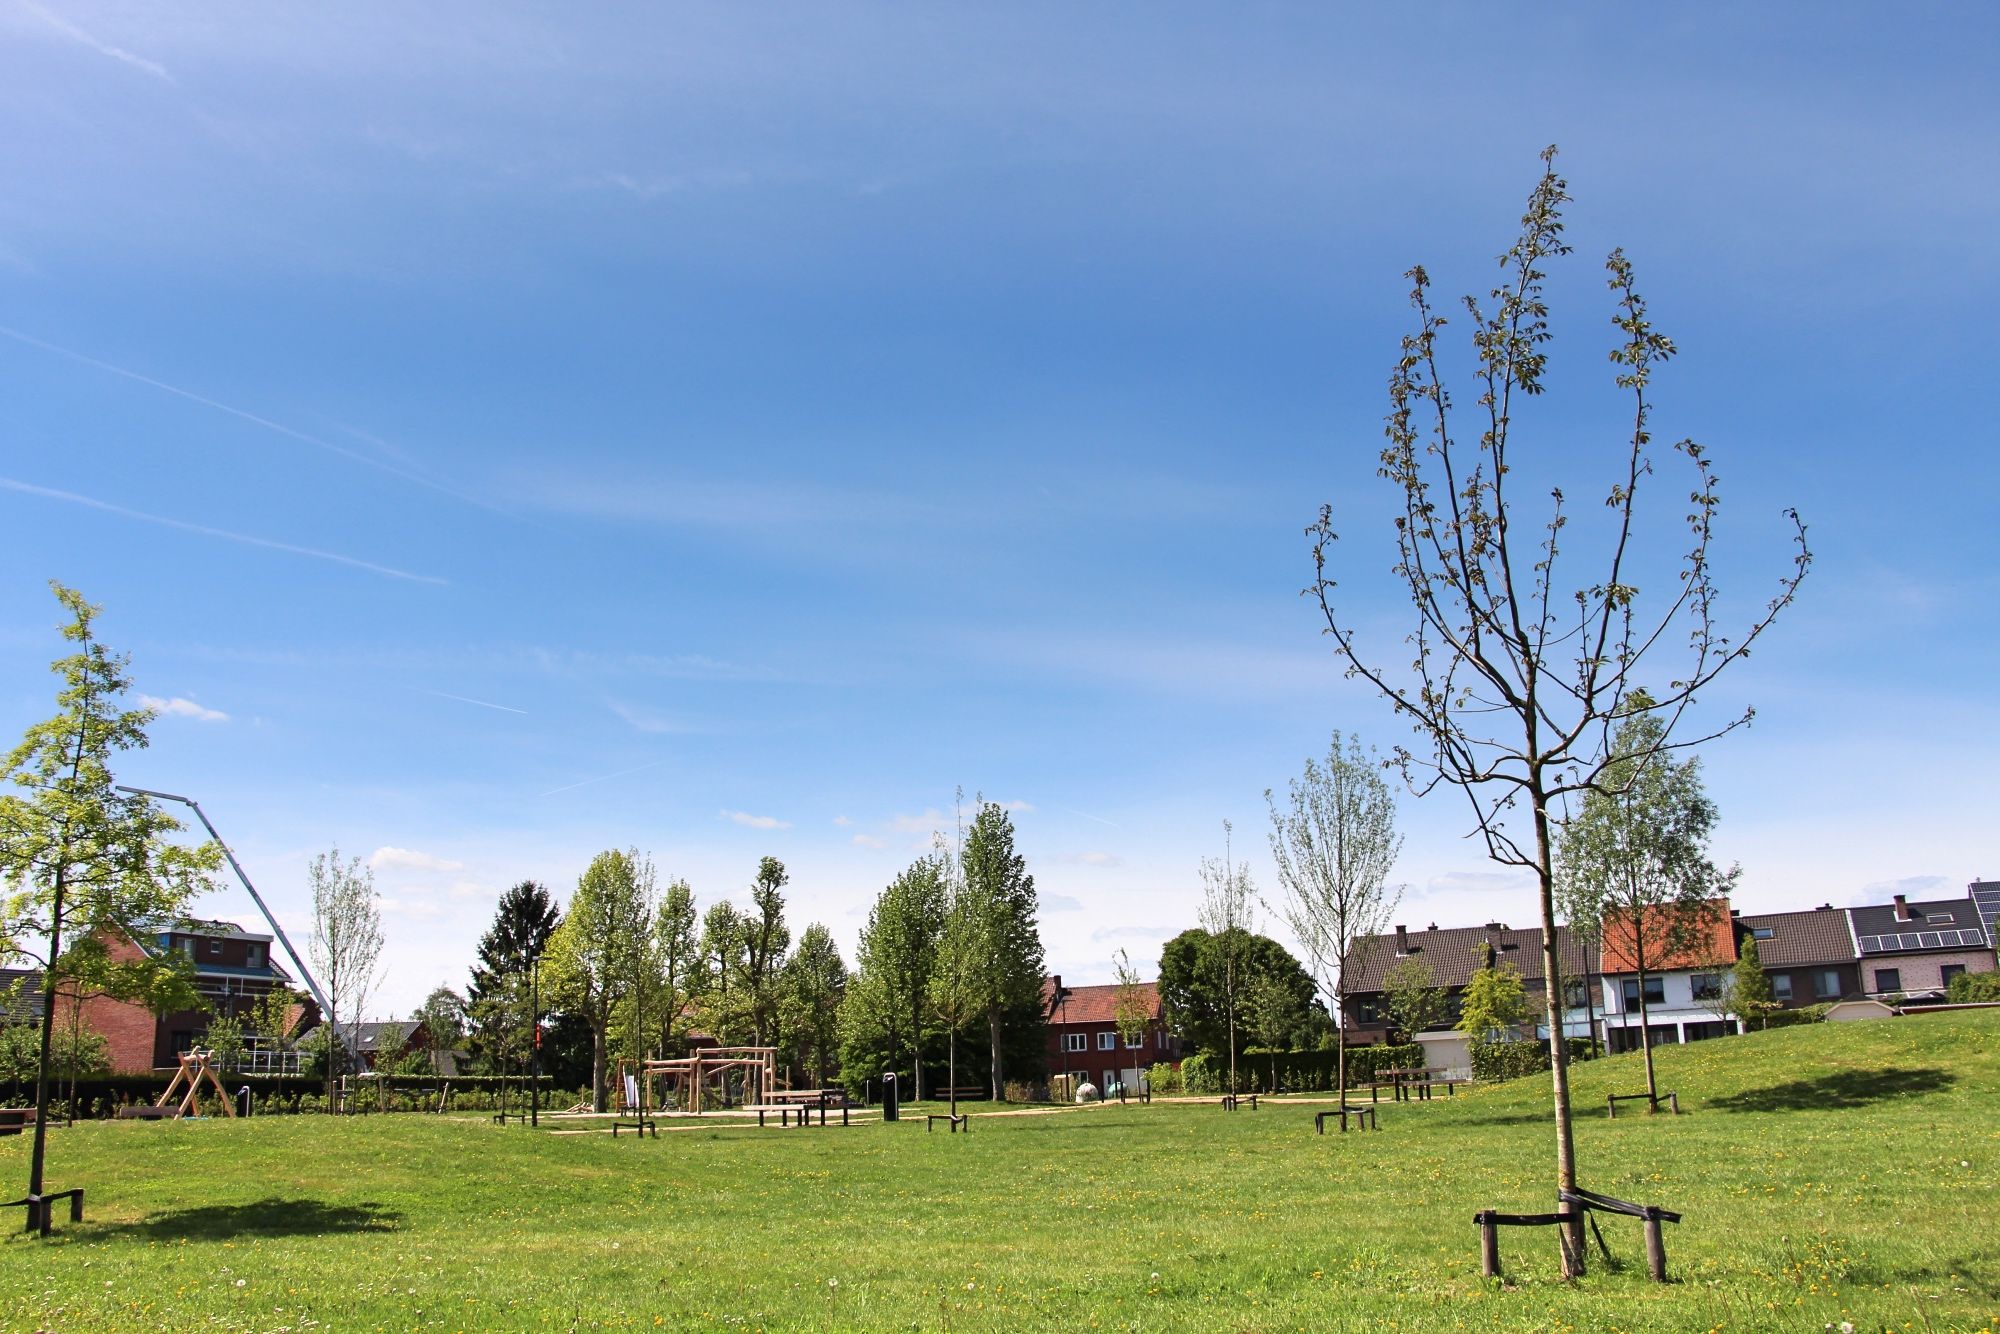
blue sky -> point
(514, 432)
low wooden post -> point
(1656, 1246)
(1489, 1243)
(1611, 1106)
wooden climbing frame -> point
(196, 1065)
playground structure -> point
(197, 1064)
(700, 1080)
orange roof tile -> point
(1713, 940)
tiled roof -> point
(1456, 953)
(1819, 936)
(1714, 941)
(1092, 1005)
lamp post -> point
(535, 1040)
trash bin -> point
(889, 1095)
(243, 1101)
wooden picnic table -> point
(1404, 1078)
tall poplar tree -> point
(883, 1014)
(593, 955)
(80, 859)
(999, 894)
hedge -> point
(1295, 1071)
(1970, 988)
(1805, 1014)
(1493, 1062)
(100, 1096)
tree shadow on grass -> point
(1842, 1089)
(273, 1217)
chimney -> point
(1402, 940)
(1902, 909)
(1824, 907)
(1434, 926)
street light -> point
(348, 1040)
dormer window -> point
(254, 956)
(214, 947)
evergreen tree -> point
(1750, 989)
(497, 998)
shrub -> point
(1493, 1062)
(1296, 1071)
(1805, 1014)
(1971, 988)
(1163, 1078)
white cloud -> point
(1060, 903)
(929, 822)
(645, 719)
(749, 821)
(182, 708)
(1091, 859)
(842, 821)
(869, 841)
(409, 859)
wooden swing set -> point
(701, 1077)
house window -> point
(1706, 986)
(1656, 992)
(215, 947)
(254, 956)
(1948, 972)
(1137, 1042)
(1161, 1039)
(1762, 932)
(1888, 980)
(1826, 982)
(1076, 1042)
(1573, 994)
(1781, 986)
(1107, 1041)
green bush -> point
(1805, 1014)
(1493, 1062)
(1295, 1071)
(1971, 988)
(1164, 1079)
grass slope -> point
(1836, 1173)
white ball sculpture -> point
(1086, 1092)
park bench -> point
(1363, 1116)
(1231, 1100)
(14, 1120)
(953, 1124)
(1611, 1101)
(1579, 1204)
(141, 1111)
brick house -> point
(1082, 1034)
(1808, 956)
(1915, 949)
(232, 968)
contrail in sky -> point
(354, 455)
(50, 493)
(604, 778)
(504, 708)
(1088, 816)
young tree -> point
(1749, 989)
(441, 1020)
(271, 1018)
(592, 955)
(883, 1013)
(1131, 1007)
(720, 966)
(78, 857)
(1335, 846)
(1001, 894)
(1416, 1002)
(1494, 1004)
(1517, 680)
(813, 982)
(346, 946)
(765, 938)
(956, 992)
(1227, 899)
(1633, 864)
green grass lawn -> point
(1828, 1173)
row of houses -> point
(1903, 951)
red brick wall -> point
(127, 1028)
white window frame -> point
(1108, 1041)
(1781, 986)
(1136, 1043)
(1076, 1042)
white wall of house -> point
(1674, 1004)
(1447, 1051)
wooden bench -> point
(141, 1111)
(800, 1111)
(1611, 1101)
(14, 1120)
(953, 1124)
(1363, 1116)
(1231, 1100)
(643, 1124)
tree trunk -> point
(993, 1039)
(1572, 1249)
(598, 1035)
(40, 1151)
(1646, 1038)
(1340, 1053)
(951, 1071)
